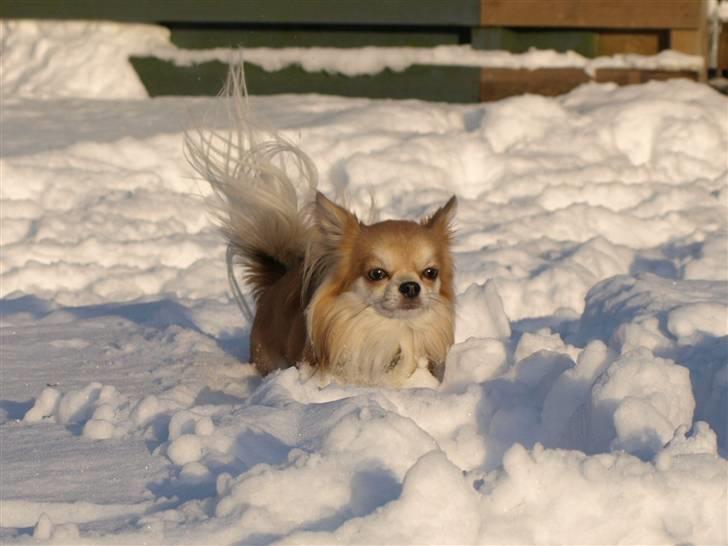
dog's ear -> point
(334, 222)
(442, 219)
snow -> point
(71, 58)
(718, 9)
(586, 398)
(372, 60)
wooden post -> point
(694, 41)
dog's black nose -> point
(410, 289)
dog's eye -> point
(430, 273)
(376, 274)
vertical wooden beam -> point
(723, 48)
(694, 41)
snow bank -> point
(74, 58)
(585, 400)
(112, 220)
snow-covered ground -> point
(586, 401)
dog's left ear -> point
(443, 217)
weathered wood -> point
(686, 41)
(723, 48)
(643, 14)
(638, 42)
(694, 41)
(345, 12)
(208, 37)
(622, 76)
(433, 83)
(520, 40)
(498, 83)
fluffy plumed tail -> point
(256, 176)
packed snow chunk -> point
(195, 472)
(437, 506)
(182, 422)
(474, 361)
(641, 429)
(710, 263)
(664, 131)
(452, 420)
(185, 449)
(204, 427)
(564, 496)
(516, 121)
(630, 312)
(639, 402)
(45, 405)
(44, 528)
(271, 500)
(540, 370)
(480, 313)
(147, 408)
(543, 340)
(65, 533)
(701, 441)
(390, 440)
(98, 429)
(563, 277)
(563, 417)
(636, 127)
(77, 405)
(694, 320)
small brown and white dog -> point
(365, 304)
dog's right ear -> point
(442, 219)
(335, 223)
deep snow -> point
(586, 398)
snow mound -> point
(75, 58)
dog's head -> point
(397, 267)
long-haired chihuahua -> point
(367, 304)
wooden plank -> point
(212, 36)
(643, 14)
(498, 83)
(622, 76)
(520, 40)
(640, 43)
(433, 83)
(686, 41)
(723, 49)
(694, 41)
(345, 12)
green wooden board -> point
(433, 83)
(352, 12)
(583, 42)
(207, 37)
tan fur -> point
(339, 329)
(309, 268)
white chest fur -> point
(366, 348)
